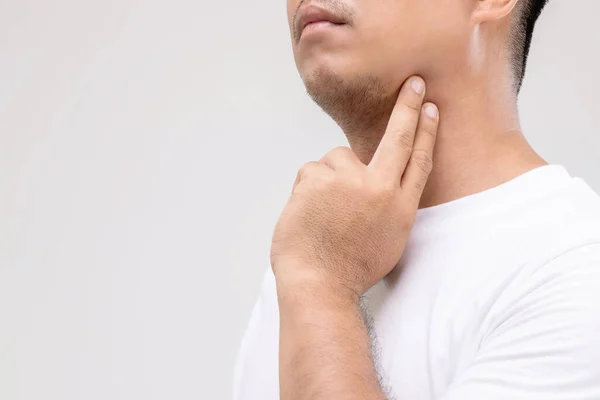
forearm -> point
(325, 350)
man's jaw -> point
(360, 106)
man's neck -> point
(479, 144)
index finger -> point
(392, 155)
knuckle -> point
(419, 184)
(326, 181)
(386, 189)
(306, 167)
(341, 151)
(362, 180)
(301, 171)
(341, 155)
(412, 108)
(302, 168)
(429, 129)
(423, 160)
(355, 183)
(404, 139)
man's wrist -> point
(298, 286)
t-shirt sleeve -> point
(546, 343)
(256, 370)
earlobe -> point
(492, 10)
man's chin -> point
(351, 100)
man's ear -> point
(491, 10)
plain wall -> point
(146, 151)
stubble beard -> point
(360, 106)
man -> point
(477, 263)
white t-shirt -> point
(497, 296)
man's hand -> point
(346, 224)
(344, 228)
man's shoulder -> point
(554, 238)
(562, 220)
(570, 218)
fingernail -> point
(431, 110)
(417, 84)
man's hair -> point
(527, 14)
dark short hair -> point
(528, 13)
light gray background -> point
(146, 150)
